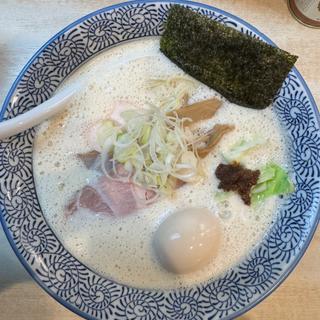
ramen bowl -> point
(86, 292)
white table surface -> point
(26, 25)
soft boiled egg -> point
(187, 240)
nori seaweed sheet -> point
(243, 69)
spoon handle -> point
(38, 114)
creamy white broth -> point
(121, 249)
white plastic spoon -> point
(55, 104)
(39, 113)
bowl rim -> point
(313, 228)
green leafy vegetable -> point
(245, 70)
(240, 149)
(273, 181)
(221, 196)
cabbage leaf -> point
(273, 181)
(241, 148)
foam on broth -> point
(121, 249)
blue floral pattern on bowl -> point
(95, 297)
